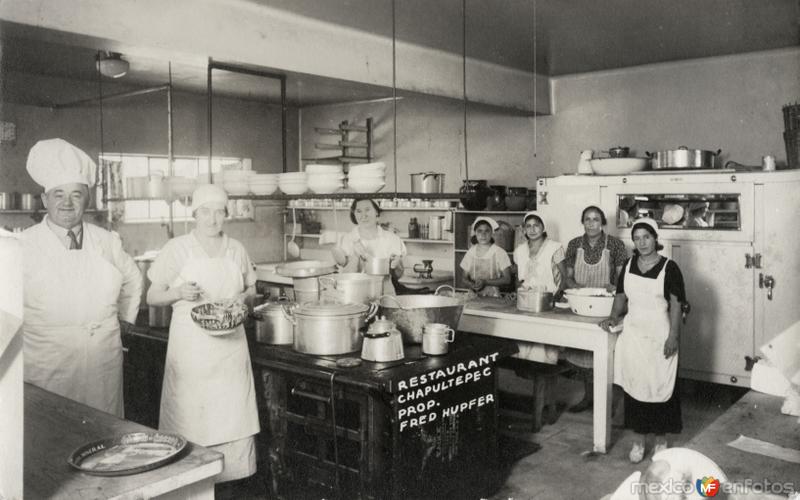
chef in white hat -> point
(79, 284)
(208, 394)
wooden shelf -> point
(331, 196)
(43, 211)
(387, 209)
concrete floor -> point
(563, 466)
(566, 468)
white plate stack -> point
(263, 184)
(367, 177)
(293, 182)
(237, 182)
(325, 179)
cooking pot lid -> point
(330, 307)
(271, 307)
(305, 268)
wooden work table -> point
(55, 426)
(755, 415)
(559, 327)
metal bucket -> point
(427, 182)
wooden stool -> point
(543, 376)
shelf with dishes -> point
(312, 196)
(406, 239)
(43, 211)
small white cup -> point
(436, 337)
(768, 163)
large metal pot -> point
(272, 325)
(427, 182)
(682, 158)
(534, 301)
(352, 287)
(328, 327)
(412, 312)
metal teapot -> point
(383, 342)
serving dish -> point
(127, 454)
(219, 318)
(592, 302)
(618, 166)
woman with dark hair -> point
(540, 261)
(486, 266)
(368, 239)
(594, 260)
(648, 305)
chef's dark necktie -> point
(73, 240)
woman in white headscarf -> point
(648, 304)
(486, 266)
(208, 394)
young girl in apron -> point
(646, 353)
(486, 266)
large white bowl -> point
(324, 169)
(594, 302)
(618, 166)
(324, 188)
(293, 188)
(263, 189)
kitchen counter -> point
(758, 416)
(559, 327)
(55, 426)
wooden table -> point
(55, 426)
(499, 318)
(758, 416)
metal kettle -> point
(382, 342)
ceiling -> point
(570, 36)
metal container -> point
(412, 312)
(272, 325)
(328, 327)
(382, 342)
(436, 339)
(427, 182)
(534, 301)
(159, 316)
(352, 287)
(435, 223)
(28, 201)
(6, 201)
(684, 158)
(377, 266)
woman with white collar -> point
(208, 394)
(648, 304)
(368, 240)
(540, 261)
(486, 266)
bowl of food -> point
(220, 317)
(594, 302)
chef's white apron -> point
(485, 268)
(208, 394)
(640, 367)
(72, 343)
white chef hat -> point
(647, 221)
(533, 213)
(209, 193)
(55, 162)
(493, 223)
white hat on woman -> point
(55, 162)
(645, 220)
(209, 193)
(493, 223)
(533, 213)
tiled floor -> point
(563, 466)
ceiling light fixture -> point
(112, 65)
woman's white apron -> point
(208, 393)
(640, 367)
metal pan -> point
(684, 158)
(127, 454)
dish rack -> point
(355, 142)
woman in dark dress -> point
(650, 292)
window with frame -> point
(119, 167)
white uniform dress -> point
(540, 270)
(72, 343)
(486, 267)
(208, 394)
(383, 246)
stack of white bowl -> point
(367, 177)
(324, 179)
(263, 184)
(293, 182)
(237, 182)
